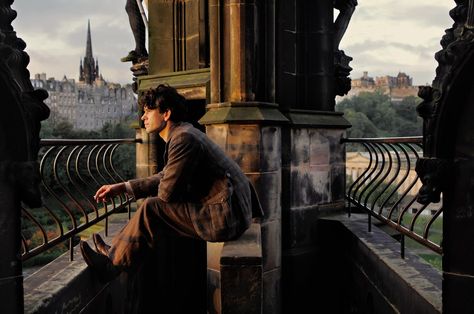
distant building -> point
(397, 87)
(91, 102)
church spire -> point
(89, 41)
(89, 67)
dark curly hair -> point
(165, 97)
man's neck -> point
(165, 133)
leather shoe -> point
(100, 245)
(101, 265)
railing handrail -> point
(65, 141)
(406, 139)
(368, 184)
(66, 191)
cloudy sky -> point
(384, 37)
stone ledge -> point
(407, 285)
(241, 272)
(317, 119)
(243, 112)
(246, 250)
(65, 286)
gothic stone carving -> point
(457, 42)
(342, 69)
(21, 116)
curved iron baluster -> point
(63, 205)
(78, 172)
(432, 220)
(63, 187)
(369, 175)
(104, 163)
(37, 223)
(78, 188)
(360, 178)
(395, 176)
(382, 180)
(375, 178)
(402, 181)
(56, 219)
(128, 199)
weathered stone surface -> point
(272, 295)
(300, 147)
(317, 119)
(218, 133)
(271, 245)
(270, 149)
(300, 227)
(243, 113)
(268, 187)
(310, 186)
(338, 152)
(241, 273)
(243, 146)
(338, 182)
(319, 147)
(379, 279)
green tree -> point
(373, 115)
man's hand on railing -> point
(109, 191)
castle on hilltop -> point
(397, 87)
(91, 102)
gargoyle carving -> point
(341, 60)
(432, 173)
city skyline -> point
(384, 37)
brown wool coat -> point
(220, 199)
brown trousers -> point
(153, 219)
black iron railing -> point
(381, 180)
(71, 171)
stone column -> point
(178, 35)
(242, 118)
(305, 63)
(313, 159)
(176, 271)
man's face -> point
(154, 120)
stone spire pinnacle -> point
(89, 41)
(89, 68)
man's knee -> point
(149, 206)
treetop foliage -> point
(374, 115)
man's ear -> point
(167, 115)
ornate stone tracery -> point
(24, 109)
(436, 108)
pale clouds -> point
(388, 36)
(55, 32)
(384, 36)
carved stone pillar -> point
(178, 35)
(242, 118)
(313, 159)
(305, 63)
(448, 155)
(19, 143)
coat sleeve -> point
(184, 154)
(145, 187)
